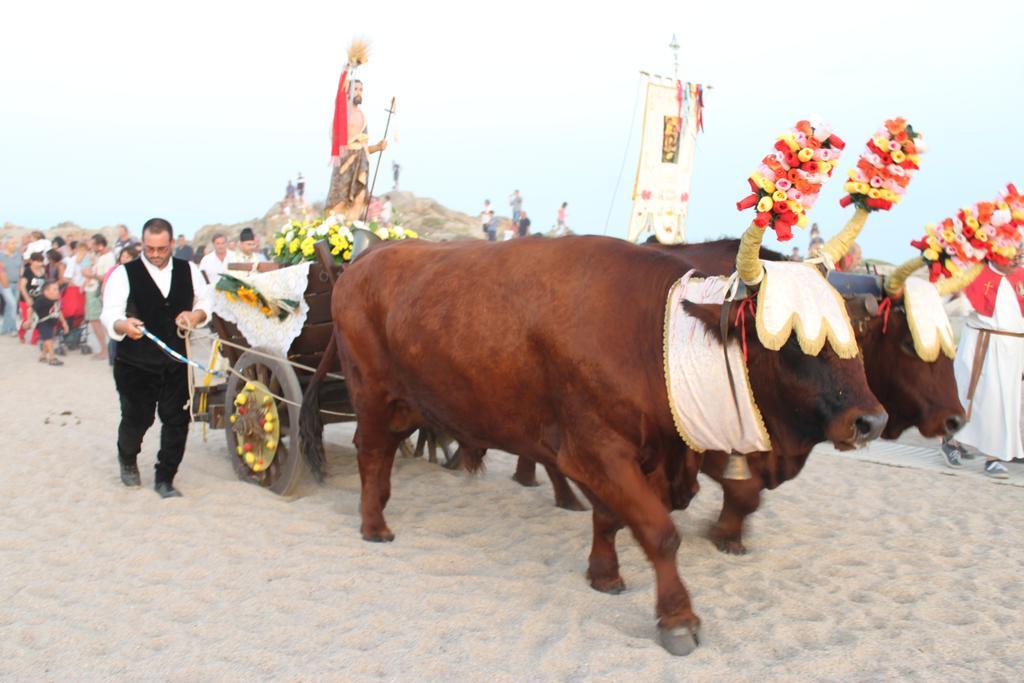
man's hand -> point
(382, 145)
(130, 327)
(188, 320)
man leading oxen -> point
(587, 379)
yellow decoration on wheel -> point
(256, 425)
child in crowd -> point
(33, 277)
(47, 309)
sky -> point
(200, 112)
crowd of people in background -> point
(381, 211)
(520, 223)
(51, 291)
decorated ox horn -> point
(950, 285)
(748, 258)
(784, 188)
(894, 283)
(879, 180)
(836, 248)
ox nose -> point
(869, 426)
(954, 423)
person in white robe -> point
(994, 410)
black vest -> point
(146, 303)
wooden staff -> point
(380, 157)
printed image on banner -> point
(661, 193)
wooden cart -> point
(283, 465)
(273, 378)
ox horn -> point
(748, 258)
(894, 283)
(952, 285)
(837, 247)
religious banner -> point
(661, 194)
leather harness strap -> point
(980, 351)
(1002, 333)
(725, 349)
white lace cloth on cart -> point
(268, 334)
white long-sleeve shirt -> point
(115, 293)
(212, 266)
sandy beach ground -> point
(859, 570)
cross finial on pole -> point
(674, 46)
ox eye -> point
(907, 346)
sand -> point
(857, 570)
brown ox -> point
(581, 387)
(914, 393)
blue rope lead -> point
(177, 356)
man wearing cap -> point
(246, 252)
(158, 294)
(347, 195)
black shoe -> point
(167, 490)
(130, 475)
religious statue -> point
(350, 148)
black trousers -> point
(143, 391)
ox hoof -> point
(525, 482)
(384, 536)
(679, 640)
(612, 586)
(573, 504)
(730, 545)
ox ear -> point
(710, 316)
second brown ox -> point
(914, 392)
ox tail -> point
(311, 424)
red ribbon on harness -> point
(741, 321)
(884, 309)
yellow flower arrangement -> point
(296, 241)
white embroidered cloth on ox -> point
(697, 379)
(269, 334)
(929, 323)
(796, 298)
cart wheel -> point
(283, 467)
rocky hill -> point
(68, 230)
(422, 214)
